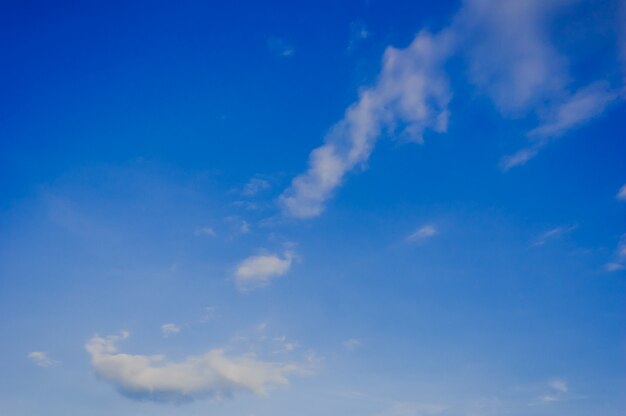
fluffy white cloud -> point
(259, 270)
(411, 94)
(212, 374)
(42, 359)
(423, 233)
(169, 329)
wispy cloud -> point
(510, 56)
(423, 233)
(260, 270)
(169, 329)
(553, 233)
(207, 231)
(254, 186)
(42, 359)
(619, 257)
(573, 111)
(511, 60)
(238, 226)
(557, 389)
(358, 33)
(284, 345)
(411, 93)
(280, 47)
(352, 344)
(621, 194)
(213, 374)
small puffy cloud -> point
(621, 194)
(280, 47)
(552, 234)
(254, 186)
(210, 375)
(423, 233)
(256, 271)
(42, 359)
(169, 329)
(352, 344)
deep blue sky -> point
(302, 220)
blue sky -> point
(370, 208)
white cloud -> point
(256, 271)
(621, 194)
(580, 107)
(169, 329)
(352, 344)
(519, 158)
(511, 60)
(510, 55)
(42, 359)
(572, 111)
(423, 233)
(411, 94)
(212, 374)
